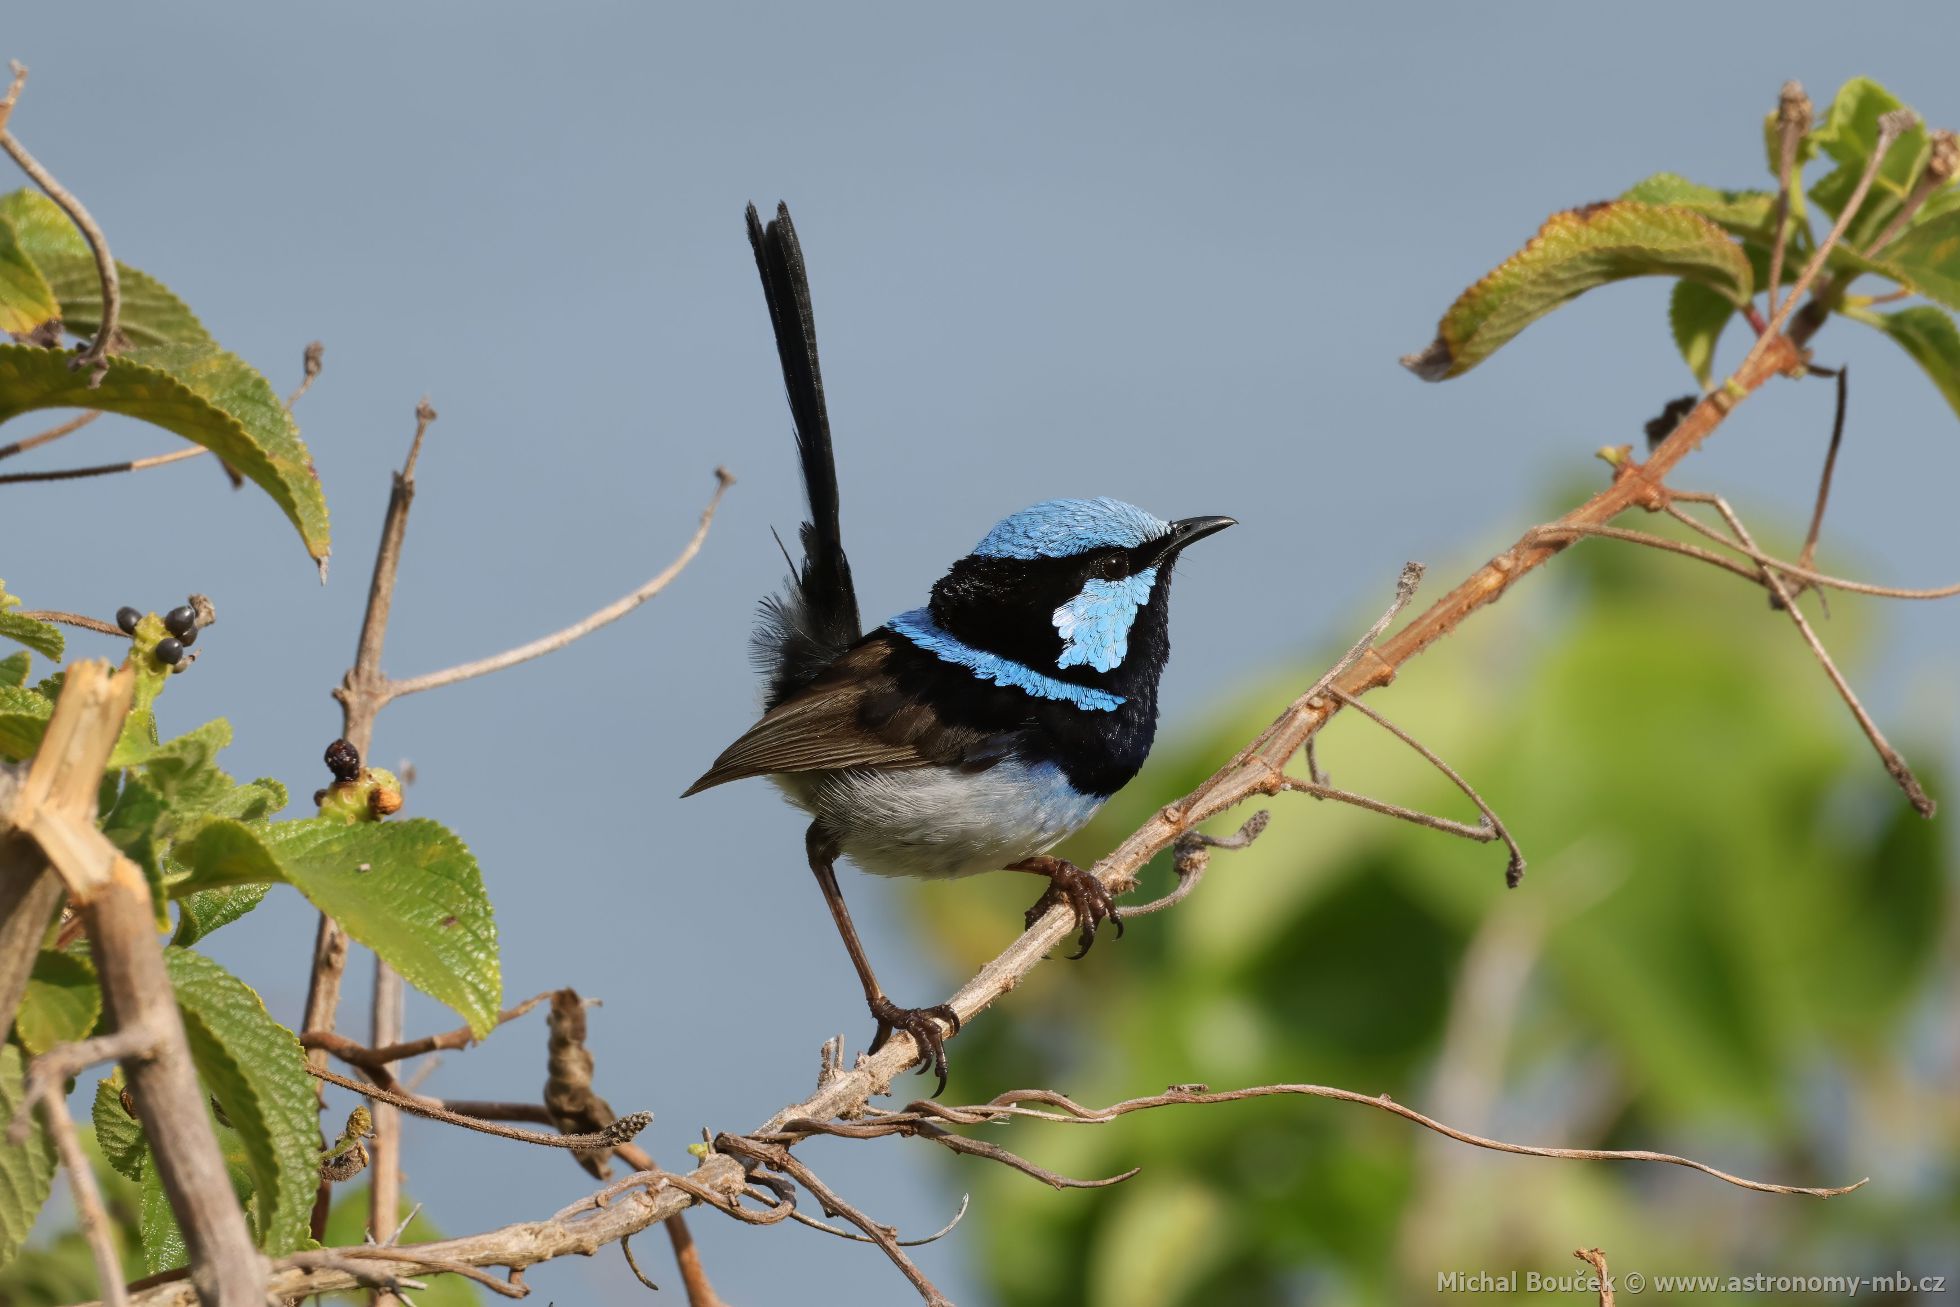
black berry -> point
(127, 618)
(189, 637)
(344, 761)
(180, 622)
(170, 652)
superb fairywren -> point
(972, 734)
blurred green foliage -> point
(1735, 941)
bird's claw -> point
(1087, 897)
(920, 1024)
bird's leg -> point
(918, 1022)
(1067, 883)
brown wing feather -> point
(853, 716)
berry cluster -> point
(181, 622)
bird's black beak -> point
(1183, 532)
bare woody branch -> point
(96, 356)
(54, 807)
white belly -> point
(940, 821)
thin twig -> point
(310, 363)
(882, 1235)
(1192, 857)
(385, 1141)
(1514, 872)
(1895, 764)
(68, 428)
(1069, 1112)
(362, 1056)
(1941, 164)
(1792, 121)
(1808, 554)
(578, 630)
(1890, 127)
(90, 1212)
(1751, 574)
(1481, 834)
(95, 624)
(1596, 1259)
(105, 469)
(846, 1235)
(96, 356)
(624, 1128)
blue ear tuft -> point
(1095, 625)
(1058, 528)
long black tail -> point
(805, 630)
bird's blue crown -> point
(1056, 528)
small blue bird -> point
(972, 734)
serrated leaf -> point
(23, 721)
(205, 911)
(409, 890)
(1697, 316)
(26, 1168)
(1572, 253)
(150, 313)
(163, 1242)
(1927, 258)
(117, 1133)
(1932, 339)
(1741, 213)
(43, 638)
(61, 1004)
(182, 769)
(133, 824)
(14, 669)
(27, 306)
(254, 1069)
(203, 394)
(1849, 135)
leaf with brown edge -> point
(1571, 254)
(205, 395)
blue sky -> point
(1165, 253)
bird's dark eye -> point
(1110, 567)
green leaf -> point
(1572, 253)
(254, 1068)
(150, 313)
(61, 1004)
(1931, 338)
(1697, 316)
(1849, 135)
(27, 306)
(163, 1243)
(409, 890)
(23, 720)
(117, 1133)
(27, 1168)
(42, 637)
(1927, 258)
(1741, 213)
(14, 668)
(205, 911)
(205, 395)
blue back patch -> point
(1095, 625)
(1058, 528)
(918, 627)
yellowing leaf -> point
(1571, 254)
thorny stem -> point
(96, 356)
